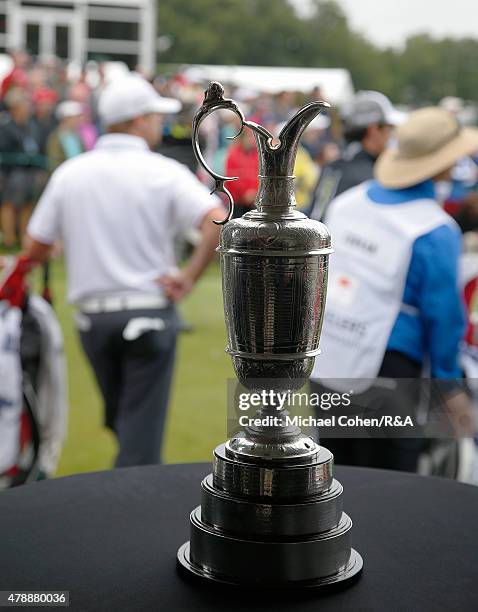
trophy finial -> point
(214, 93)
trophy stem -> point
(276, 197)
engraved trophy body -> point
(271, 512)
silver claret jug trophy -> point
(271, 513)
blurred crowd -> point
(48, 114)
(46, 118)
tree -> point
(271, 33)
(230, 32)
(431, 69)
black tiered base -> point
(272, 524)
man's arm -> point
(206, 249)
(440, 299)
(44, 226)
(442, 311)
(38, 252)
(177, 286)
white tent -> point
(336, 83)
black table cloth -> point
(110, 538)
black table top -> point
(110, 538)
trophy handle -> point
(213, 100)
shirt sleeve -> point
(441, 302)
(191, 200)
(44, 226)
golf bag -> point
(33, 404)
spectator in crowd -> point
(368, 123)
(43, 123)
(43, 119)
(394, 303)
(317, 135)
(284, 107)
(65, 141)
(17, 76)
(243, 161)
(459, 195)
(21, 163)
(176, 140)
(117, 209)
(80, 91)
(305, 172)
(87, 129)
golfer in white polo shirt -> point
(117, 210)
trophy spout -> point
(277, 159)
(290, 135)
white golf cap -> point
(368, 107)
(132, 96)
(67, 109)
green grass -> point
(197, 414)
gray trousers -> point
(132, 354)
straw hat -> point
(429, 142)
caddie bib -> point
(368, 270)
